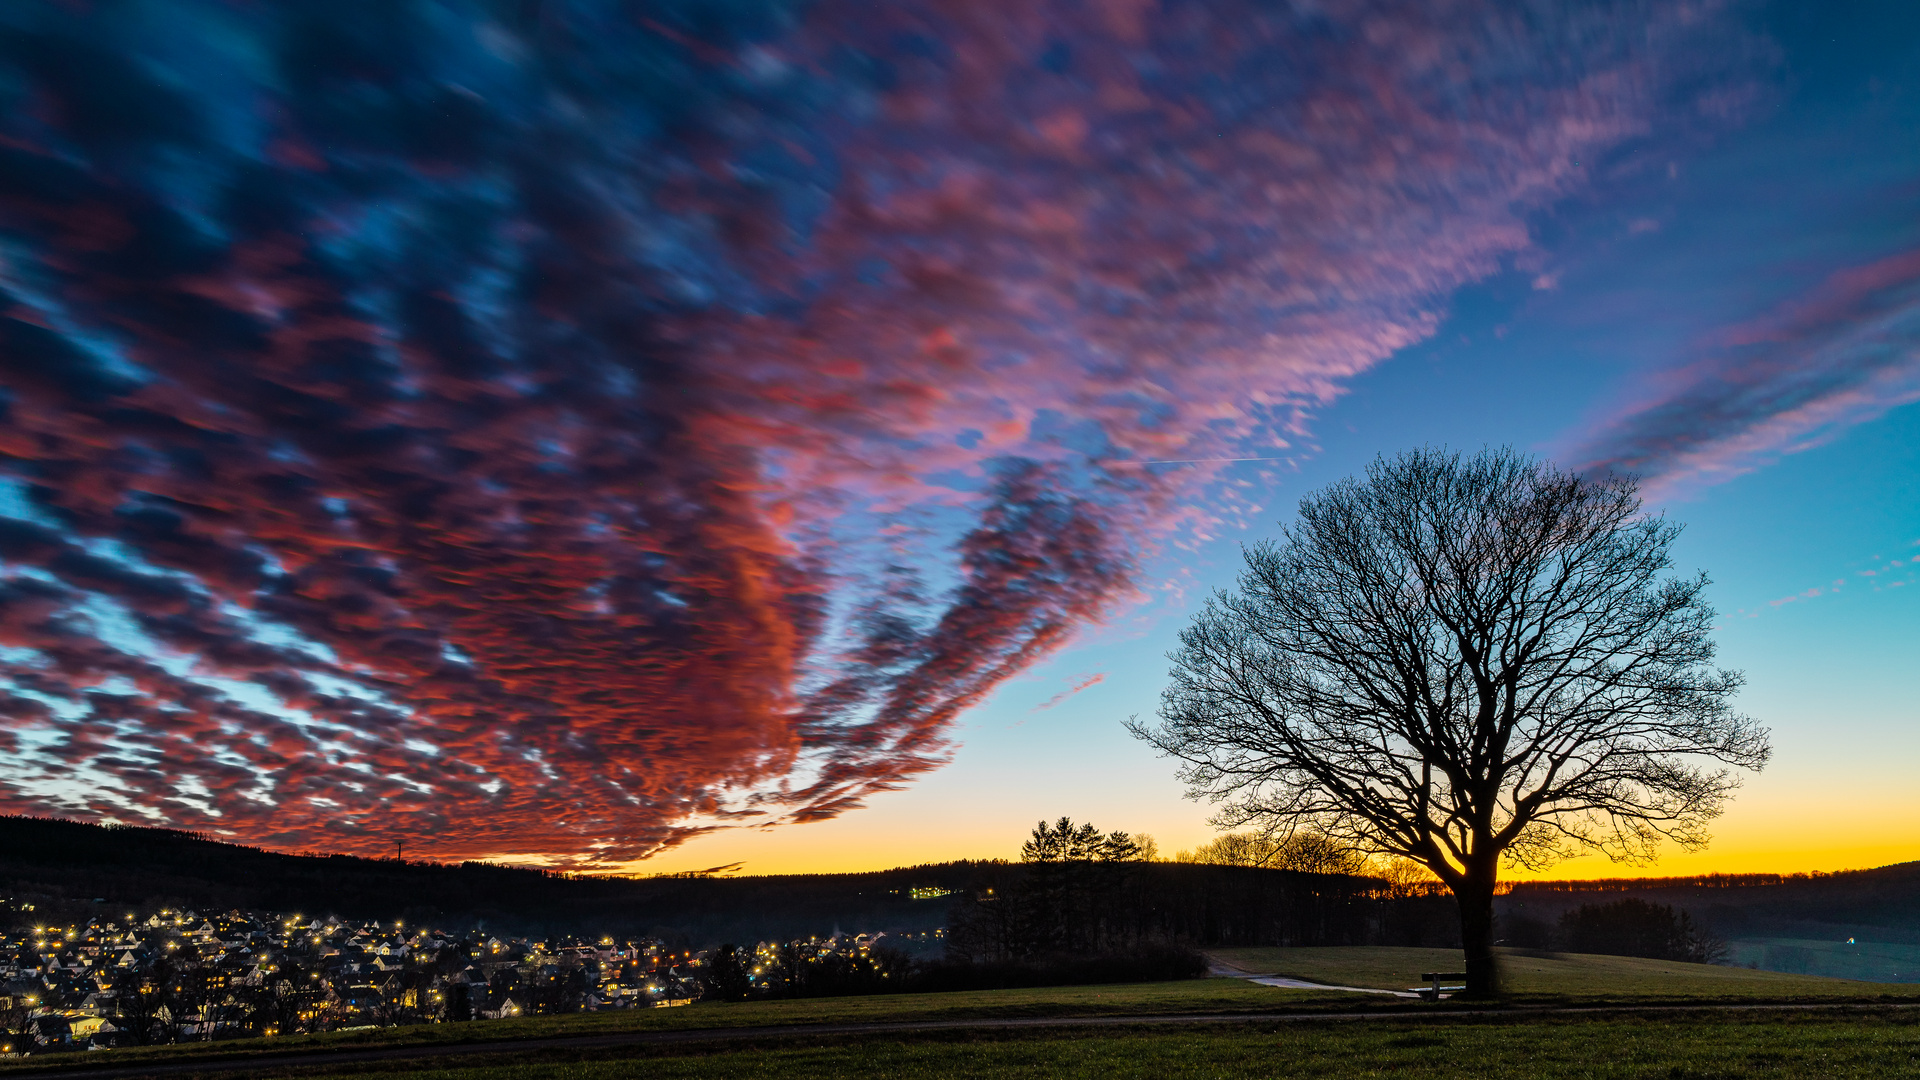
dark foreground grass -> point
(1682, 1047)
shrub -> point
(1632, 927)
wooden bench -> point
(1437, 979)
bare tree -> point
(1314, 853)
(1465, 662)
(1304, 850)
(1230, 849)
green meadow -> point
(1562, 979)
(1734, 1047)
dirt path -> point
(336, 1058)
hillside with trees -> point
(67, 870)
(1881, 904)
(1052, 902)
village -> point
(183, 976)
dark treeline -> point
(1879, 905)
(804, 969)
(1692, 881)
(1083, 907)
(1079, 892)
(1029, 910)
(63, 867)
(1625, 927)
(67, 869)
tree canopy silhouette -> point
(1065, 842)
(1466, 662)
(1304, 850)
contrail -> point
(1198, 460)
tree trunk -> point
(1475, 895)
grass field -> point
(1554, 978)
(1690, 1047)
(1420, 1043)
(1877, 961)
(1189, 996)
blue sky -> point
(708, 437)
(1646, 271)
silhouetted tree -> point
(1463, 662)
(1063, 842)
(803, 969)
(1056, 906)
(136, 1000)
(284, 993)
(1232, 849)
(13, 1019)
(726, 975)
(179, 985)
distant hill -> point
(1881, 904)
(68, 869)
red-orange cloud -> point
(1798, 376)
(557, 434)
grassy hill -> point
(1856, 924)
(1547, 978)
(1881, 904)
(1871, 960)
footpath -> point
(1223, 970)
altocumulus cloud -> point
(557, 428)
(1798, 376)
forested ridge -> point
(1881, 903)
(66, 869)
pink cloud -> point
(1084, 682)
(1794, 379)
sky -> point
(674, 435)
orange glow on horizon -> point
(1782, 856)
(1792, 829)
